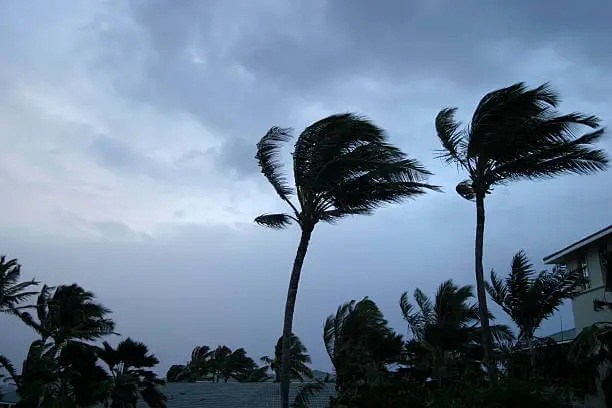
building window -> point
(606, 268)
(584, 268)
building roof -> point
(559, 256)
(563, 336)
(238, 395)
(8, 397)
(229, 395)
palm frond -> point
(424, 303)
(6, 364)
(451, 137)
(276, 221)
(267, 156)
(305, 394)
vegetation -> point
(342, 165)
(62, 367)
(515, 133)
(451, 355)
(298, 361)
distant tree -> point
(342, 165)
(529, 298)
(12, 292)
(175, 372)
(515, 134)
(129, 365)
(299, 360)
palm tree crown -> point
(299, 360)
(516, 133)
(13, 292)
(69, 313)
(530, 298)
(342, 165)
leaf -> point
(267, 156)
(451, 137)
(276, 221)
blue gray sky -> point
(128, 129)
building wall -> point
(582, 305)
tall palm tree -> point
(298, 362)
(448, 328)
(515, 133)
(129, 365)
(529, 298)
(13, 292)
(68, 314)
(342, 165)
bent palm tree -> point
(13, 292)
(529, 299)
(298, 362)
(342, 165)
(515, 133)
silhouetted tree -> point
(13, 292)
(515, 133)
(129, 365)
(529, 299)
(342, 165)
(298, 363)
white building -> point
(592, 255)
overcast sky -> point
(128, 130)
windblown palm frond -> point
(12, 292)
(529, 298)
(267, 156)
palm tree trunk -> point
(480, 289)
(289, 308)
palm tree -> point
(298, 362)
(515, 133)
(447, 330)
(68, 314)
(529, 299)
(129, 365)
(342, 165)
(13, 292)
(361, 345)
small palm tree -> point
(361, 345)
(129, 365)
(342, 165)
(515, 133)
(529, 299)
(448, 329)
(13, 292)
(299, 360)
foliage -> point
(342, 165)
(360, 345)
(446, 335)
(69, 313)
(13, 292)
(528, 298)
(299, 360)
(131, 378)
(221, 363)
(515, 134)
